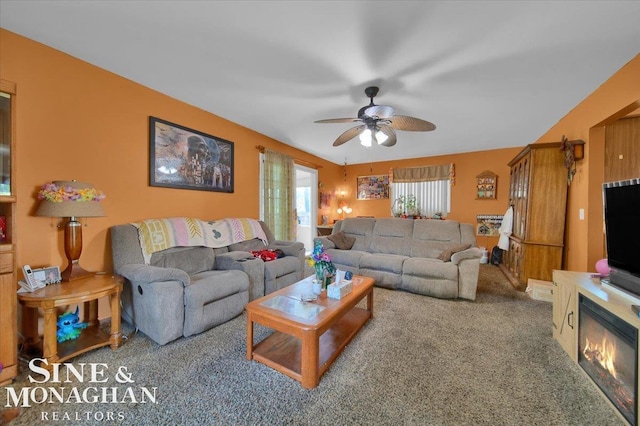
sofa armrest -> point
(141, 273)
(470, 253)
(289, 248)
(326, 242)
(245, 262)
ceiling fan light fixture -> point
(378, 123)
(365, 138)
(381, 137)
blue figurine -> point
(68, 326)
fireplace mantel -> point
(568, 286)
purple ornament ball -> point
(602, 266)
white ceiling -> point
(489, 74)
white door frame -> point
(314, 196)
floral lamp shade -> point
(70, 199)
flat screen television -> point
(622, 224)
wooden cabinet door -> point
(8, 328)
(565, 318)
(514, 258)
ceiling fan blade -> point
(412, 124)
(381, 111)
(338, 120)
(391, 135)
(348, 135)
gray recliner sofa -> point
(187, 290)
(436, 258)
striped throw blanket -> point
(160, 234)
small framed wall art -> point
(486, 185)
(372, 187)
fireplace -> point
(607, 351)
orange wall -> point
(617, 97)
(77, 121)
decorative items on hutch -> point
(487, 185)
(8, 278)
(538, 194)
(572, 151)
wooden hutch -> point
(538, 195)
(8, 283)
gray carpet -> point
(420, 361)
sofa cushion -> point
(446, 254)
(383, 262)
(437, 230)
(209, 286)
(279, 267)
(361, 229)
(431, 237)
(346, 257)
(192, 260)
(249, 245)
(390, 235)
(430, 268)
(342, 240)
(213, 298)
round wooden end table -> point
(85, 290)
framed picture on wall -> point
(184, 158)
(373, 187)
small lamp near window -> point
(73, 200)
(343, 207)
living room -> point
(78, 121)
(115, 158)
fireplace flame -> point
(603, 353)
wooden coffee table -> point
(309, 336)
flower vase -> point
(327, 280)
(323, 278)
(318, 283)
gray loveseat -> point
(187, 290)
(404, 254)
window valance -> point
(424, 174)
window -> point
(430, 197)
(422, 191)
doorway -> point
(306, 205)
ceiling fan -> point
(379, 123)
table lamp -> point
(73, 200)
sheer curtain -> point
(431, 186)
(279, 194)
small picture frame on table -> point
(49, 275)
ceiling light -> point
(381, 137)
(365, 138)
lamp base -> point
(75, 272)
